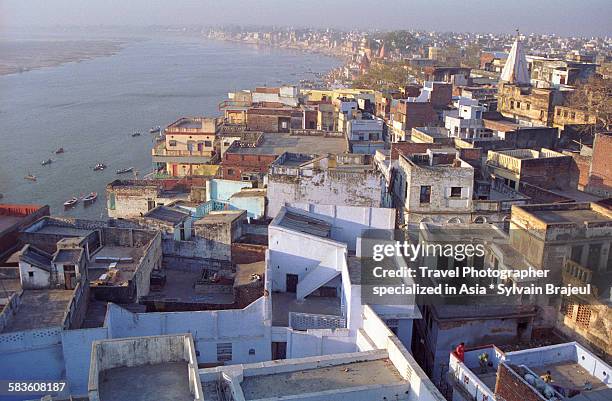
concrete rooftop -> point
(305, 224)
(569, 216)
(165, 381)
(40, 309)
(277, 144)
(285, 302)
(380, 371)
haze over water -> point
(91, 108)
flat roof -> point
(40, 309)
(569, 374)
(62, 230)
(305, 224)
(167, 214)
(224, 216)
(579, 216)
(285, 302)
(70, 256)
(126, 268)
(300, 382)
(163, 381)
(279, 143)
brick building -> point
(250, 160)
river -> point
(91, 107)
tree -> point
(594, 96)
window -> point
(30, 274)
(251, 351)
(587, 118)
(150, 204)
(208, 144)
(230, 171)
(425, 196)
(528, 106)
(455, 192)
(172, 143)
(224, 352)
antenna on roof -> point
(517, 33)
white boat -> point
(71, 202)
(90, 198)
(125, 170)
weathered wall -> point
(326, 188)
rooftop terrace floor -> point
(380, 371)
(165, 381)
(61, 230)
(569, 374)
(569, 216)
(285, 302)
(40, 309)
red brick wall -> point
(470, 154)
(579, 171)
(441, 95)
(510, 388)
(548, 173)
(410, 148)
(601, 177)
(234, 164)
(418, 114)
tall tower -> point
(515, 70)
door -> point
(279, 350)
(69, 277)
(292, 280)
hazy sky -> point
(564, 17)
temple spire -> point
(515, 70)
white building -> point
(436, 186)
(466, 122)
(346, 179)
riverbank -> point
(20, 56)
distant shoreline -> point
(27, 55)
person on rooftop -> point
(460, 351)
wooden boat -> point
(99, 167)
(46, 162)
(30, 177)
(125, 170)
(155, 129)
(91, 198)
(58, 151)
(135, 134)
(71, 202)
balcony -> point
(162, 155)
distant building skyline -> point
(566, 17)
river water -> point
(90, 109)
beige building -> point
(187, 147)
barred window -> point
(224, 352)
